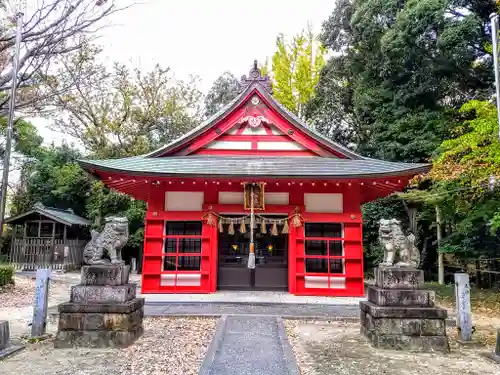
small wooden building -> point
(306, 191)
(47, 237)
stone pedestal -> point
(399, 314)
(6, 348)
(103, 310)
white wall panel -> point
(183, 200)
(328, 203)
(287, 146)
(277, 198)
(182, 280)
(321, 282)
(229, 197)
(229, 145)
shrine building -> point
(253, 162)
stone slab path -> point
(262, 309)
(250, 345)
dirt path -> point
(169, 346)
(338, 349)
(16, 303)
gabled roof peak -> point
(255, 76)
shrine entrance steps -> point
(249, 345)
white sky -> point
(203, 37)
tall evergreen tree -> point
(396, 70)
(224, 89)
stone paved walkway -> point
(251, 297)
(250, 345)
(268, 309)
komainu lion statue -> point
(109, 242)
(395, 243)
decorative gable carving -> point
(254, 121)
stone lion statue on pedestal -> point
(109, 242)
(396, 244)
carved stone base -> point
(103, 293)
(105, 275)
(97, 339)
(103, 310)
(399, 315)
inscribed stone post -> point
(464, 313)
(41, 301)
(497, 347)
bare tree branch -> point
(52, 30)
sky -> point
(202, 37)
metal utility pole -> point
(10, 119)
(494, 40)
(439, 241)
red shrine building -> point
(306, 192)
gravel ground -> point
(168, 346)
(337, 348)
(16, 303)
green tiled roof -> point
(66, 217)
(231, 166)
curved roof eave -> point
(286, 169)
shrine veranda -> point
(308, 193)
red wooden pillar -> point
(153, 241)
(353, 240)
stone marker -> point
(496, 355)
(103, 310)
(401, 315)
(5, 346)
(4, 334)
(40, 307)
(497, 347)
(464, 313)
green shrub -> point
(6, 275)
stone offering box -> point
(103, 310)
(401, 315)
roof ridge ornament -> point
(255, 75)
(39, 205)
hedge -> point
(6, 274)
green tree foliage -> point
(473, 154)
(224, 89)
(52, 176)
(461, 183)
(396, 71)
(295, 70)
(25, 137)
(120, 112)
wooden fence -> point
(32, 253)
(483, 272)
